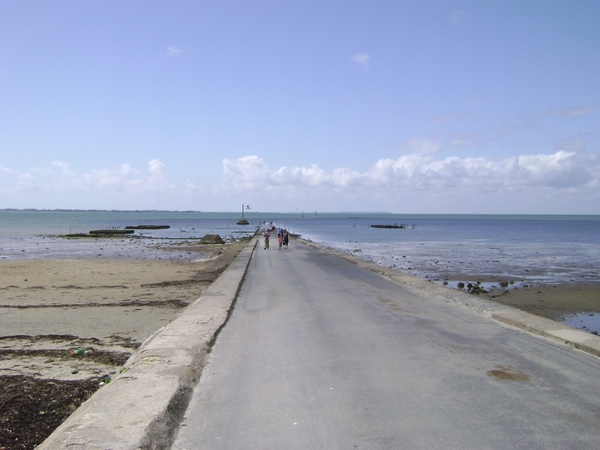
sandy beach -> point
(67, 326)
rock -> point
(147, 227)
(212, 239)
(110, 232)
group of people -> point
(283, 237)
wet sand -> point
(98, 305)
(553, 301)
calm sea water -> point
(523, 249)
(36, 234)
(552, 249)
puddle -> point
(586, 321)
(502, 373)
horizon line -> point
(281, 213)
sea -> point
(522, 249)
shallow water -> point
(549, 249)
(37, 234)
(587, 321)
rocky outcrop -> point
(212, 239)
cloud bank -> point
(548, 183)
(561, 170)
(564, 182)
(69, 189)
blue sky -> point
(399, 106)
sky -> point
(403, 106)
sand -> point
(553, 301)
(67, 326)
(94, 305)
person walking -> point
(266, 236)
(286, 238)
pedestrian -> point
(266, 236)
(286, 238)
(280, 239)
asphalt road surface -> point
(319, 354)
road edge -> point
(508, 315)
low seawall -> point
(143, 406)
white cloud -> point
(25, 181)
(155, 167)
(174, 51)
(60, 165)
(562, 170)
(457, 17)
(246, 172)
(121, 176)
(191, 188)
(251, 172)
(58, 177)
(362, 59)
(427, 146)
(565, 181)
(574, 111)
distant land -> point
(96, 210)
(182, 211)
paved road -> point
(320, 354)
